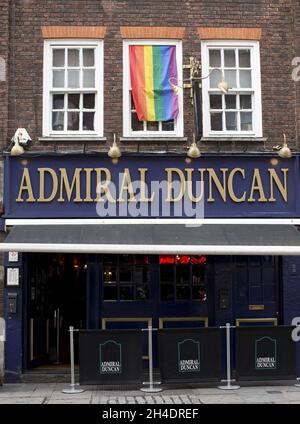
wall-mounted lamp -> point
(20, 139)
(283, 151)
(194, 151)
(114, 152)
(195, 68)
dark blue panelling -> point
(223, 287)
(93, 283)
(156, 167)
(291, 294)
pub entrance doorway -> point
(56, 299)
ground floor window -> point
(125, 277)
(183, 278)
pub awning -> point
(217, 239)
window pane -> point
(110, 293)
(73, 121)
(167, 274)
(245, 79)
(199, 293)
(58, 101)
(214, 79)
(215, 58)
(89, 101)
(215, 101)
(109, 274)
(182, 274)
(246, 121)
(152, 126)
(73, 57)
(89, 78)
(88, 121)
(167, 292)
(198, 274)
(73, 79)
(142, 292)
(58, 57)
(58, 79)
(230, 78)
(244, 59)
(183, 292)
(126, 274)
(58, 121)
(136, 125)
(216, 121)
(229, 58)
(88, 57)
(127, 293)
(231, 121)
(168, 125)
(73, 101)
(141, 274)
(245, 102)
(230, 101)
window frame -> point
(127, 131)
(254, 47)
(49, 45)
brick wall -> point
(275, 17)
(4, 50)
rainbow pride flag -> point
(150, 70)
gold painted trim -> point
(200, 319)
(241, 320)
(256, 307)
(105, 320)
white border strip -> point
(151, 249)
(159, 221)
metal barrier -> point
(254, 360)
(72, 390)
(151, 388)
(228, 380)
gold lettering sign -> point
(96, 185)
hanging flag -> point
(151, 68)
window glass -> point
(73, 91)
(126, 278)
(182, 278)
(237, 111)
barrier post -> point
(72, 389)
(228, 386)
(57, 322)
(150, 388)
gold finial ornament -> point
(285, 151)
(194, 151)
(114, 151)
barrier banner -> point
(265, 353)
(189, 354)
(110, 356)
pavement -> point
(51, 393)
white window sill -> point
(234, 138)
(81, 139)
(152, 138)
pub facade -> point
(153, 171)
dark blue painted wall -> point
(291, 293)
